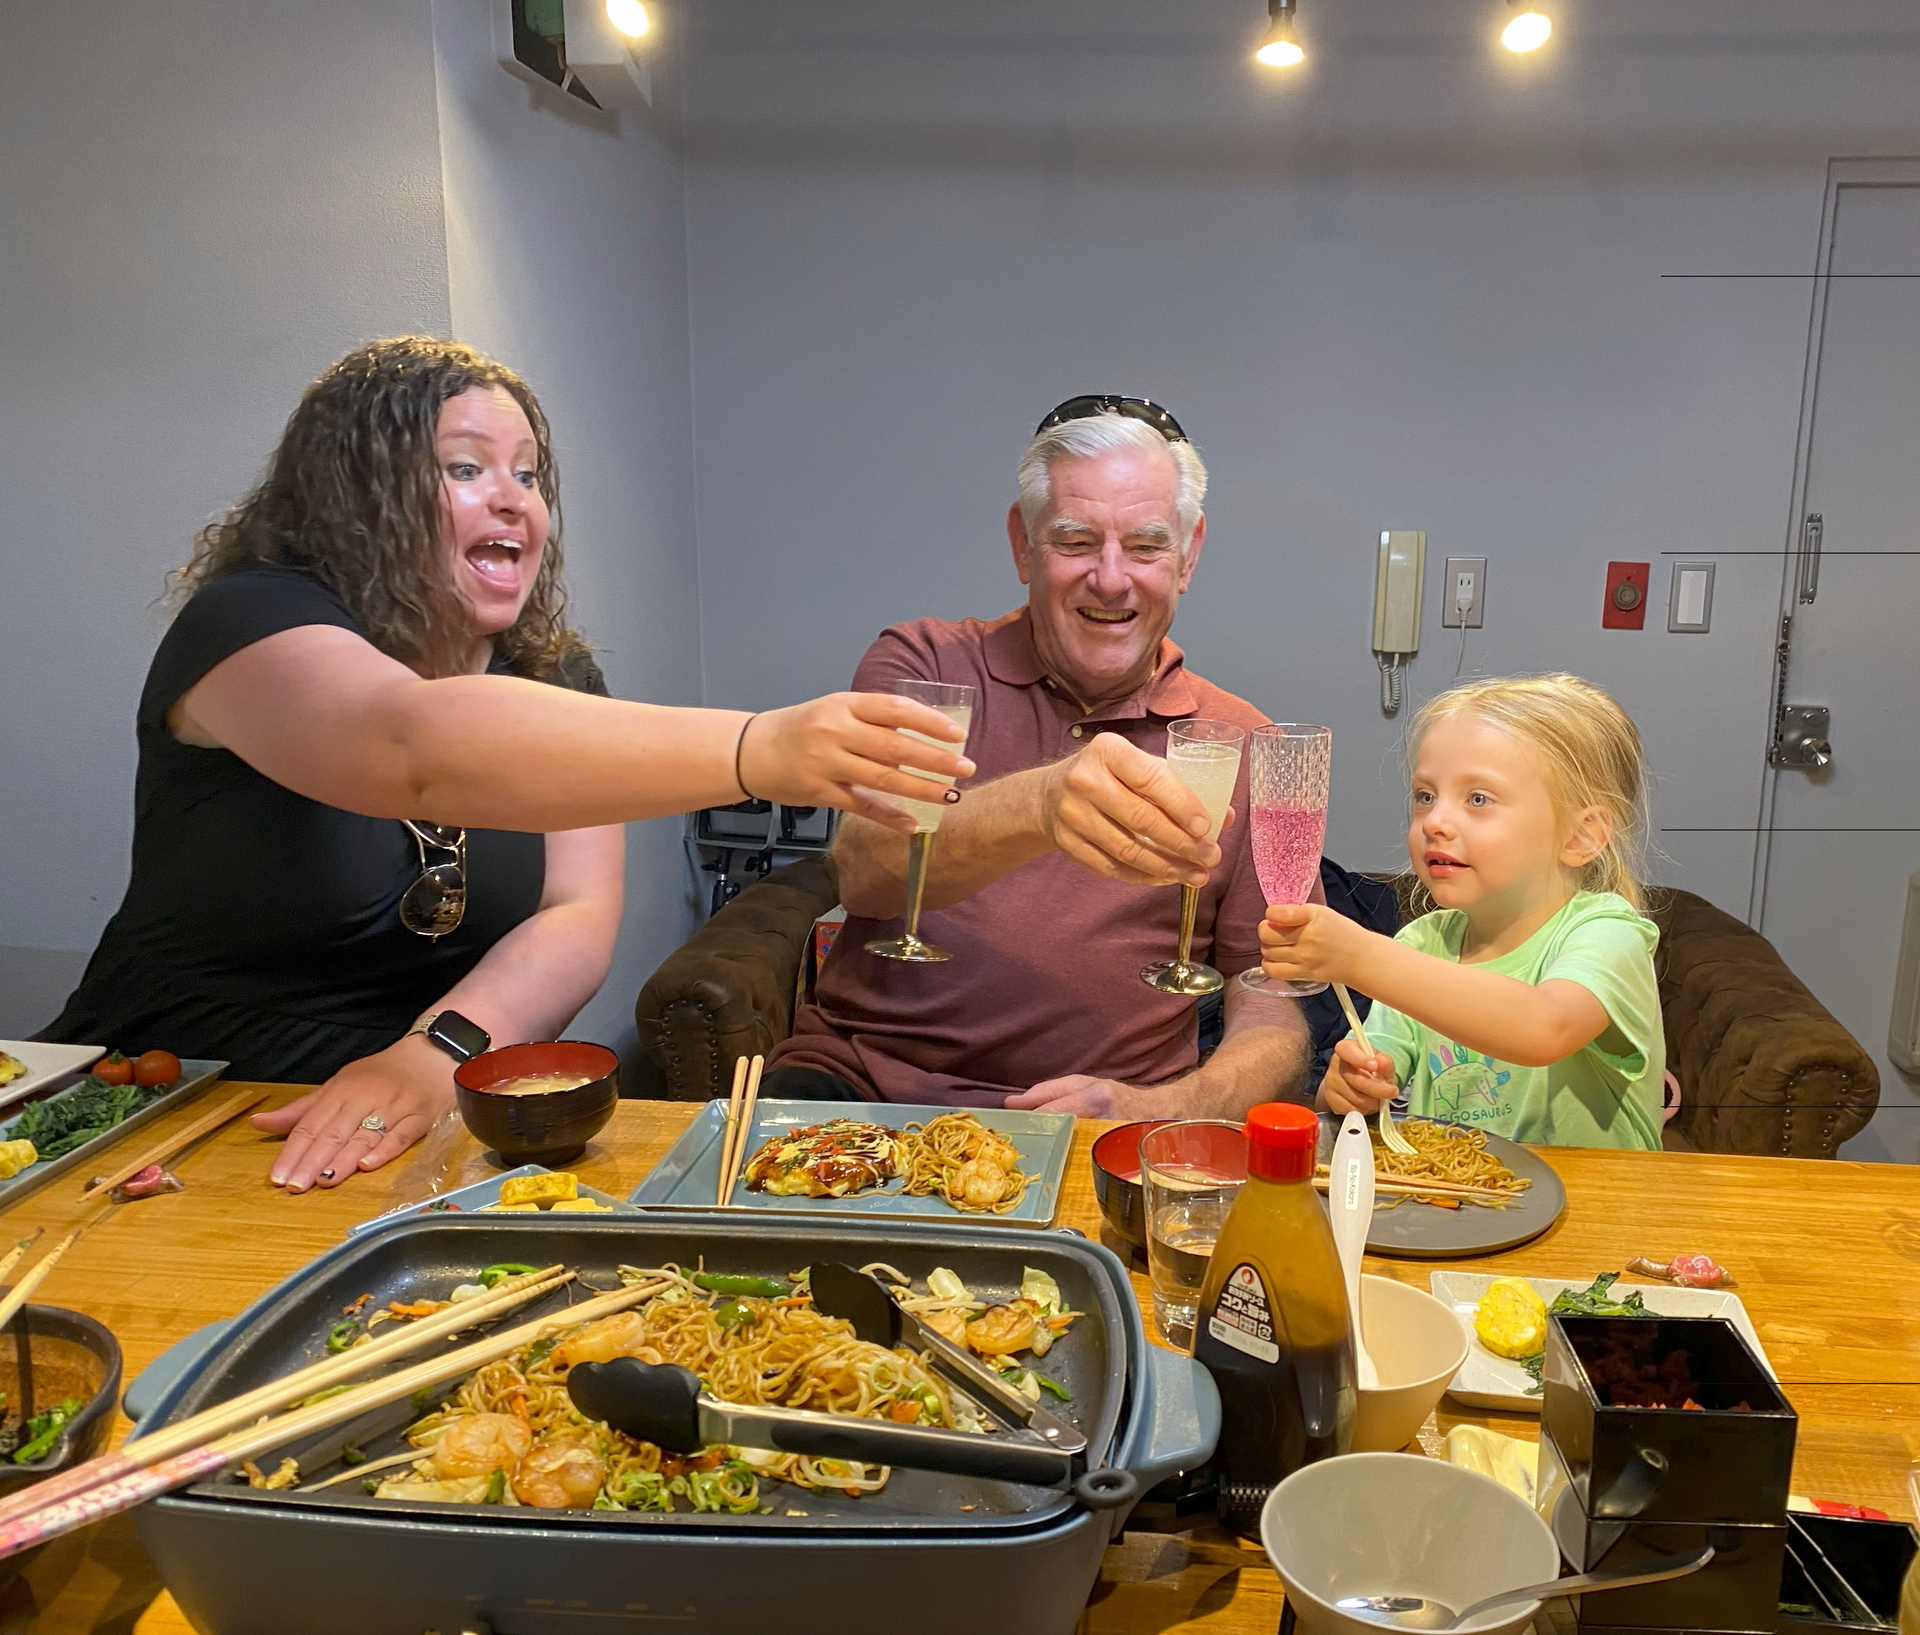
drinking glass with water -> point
(1190, 1173)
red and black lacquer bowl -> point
(1116, 1179)
(552, 1127)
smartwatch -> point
(453, 1033)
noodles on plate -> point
(1449, 1153)
(955, 1157)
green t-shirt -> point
(1607, 1094)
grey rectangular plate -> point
(194, 1076)
(688, 1175)
(477, 1195)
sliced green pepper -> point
(768, 1288)
(500, 1271)
(342, 1335)
(496, 1486)
(730, 1314)
(1052, 1387)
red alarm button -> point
(1626, 604)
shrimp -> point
(1001, 1331)
(980, 1183)
(949, 1325)
(615, 1336)
(479, 1444)
(565, 1472)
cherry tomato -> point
(114, 1069)
(155, 1068)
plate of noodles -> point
(837, 1158)
(1468, 1192)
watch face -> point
(459, 1038)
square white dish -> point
(48, 1066)
(1488, 1381)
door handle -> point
(1810, 535)
(1803, 739)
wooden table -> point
(1827, 1254)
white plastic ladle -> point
(1350, 1207)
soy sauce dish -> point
(519, 1123)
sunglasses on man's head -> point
(1143, 409)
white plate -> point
(48, 1066)
(1487, 1381)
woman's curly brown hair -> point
(352, 497)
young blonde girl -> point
(1526, 1003)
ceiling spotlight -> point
(1278, 48)
(1527, 30)
(629, 16)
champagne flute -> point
(1205, 756)
(1287, 773)
(956, 704)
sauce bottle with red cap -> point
(1272, 1327)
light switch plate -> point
(1465, 582)
(1690, 604)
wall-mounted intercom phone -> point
(1396, 608)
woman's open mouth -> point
(496, 562)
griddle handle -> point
(657, 1404)
(1109, 1488)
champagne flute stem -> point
(1189, 901)
(917, 849)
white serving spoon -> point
(1350, 1206)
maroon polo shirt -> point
(1045, 975)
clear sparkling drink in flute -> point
(1209, 771)
(927, 813)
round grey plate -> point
(1416, 1231)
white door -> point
(1839, 842)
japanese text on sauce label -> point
(1242, 1318)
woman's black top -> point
(261, 927)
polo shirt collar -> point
(1012, 658)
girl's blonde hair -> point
(1589, 752)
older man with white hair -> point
(1051, 885)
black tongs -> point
(665, 1405)
(864, 1301)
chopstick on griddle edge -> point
(276, 1394)
(163, 1150)
(13, 1255)
(746, 1130)
(730, 1129)
(46, 1519)
(19, 1294)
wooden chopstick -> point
(731, 1130)
(49, 1517)
(164, 1150)
(13, 1255)
(732, 1177)
(302, 1382)
(19, 1294)
(1445, 1189)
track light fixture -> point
(1278, 48)
(1528, 28)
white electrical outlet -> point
(1463, 592)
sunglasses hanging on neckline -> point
(436, 903)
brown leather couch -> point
(1763, 1066)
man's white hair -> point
(1109, 433)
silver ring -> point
(375, 1123)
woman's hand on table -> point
(406, 1087)
(1356, 1082)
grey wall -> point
(203, 206)
(1419, 285)
(565, 237)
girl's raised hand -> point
(1356, 1082)
(1309, 942)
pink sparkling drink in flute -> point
(1288, 770)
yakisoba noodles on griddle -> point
(511, 1434)
(1450, 1153)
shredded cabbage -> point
(1037, 1286)
(944, 1284)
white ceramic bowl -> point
(1418, 1344)
(1400, 1524)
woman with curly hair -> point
(379, 778)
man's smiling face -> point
(1104, 569)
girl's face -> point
(1484, 833)
(493, 517)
